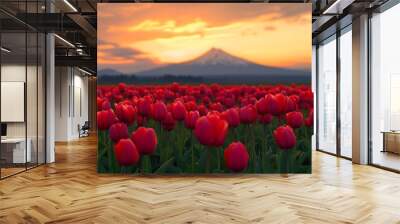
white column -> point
(360, 90)
(50, 98)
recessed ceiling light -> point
(5, 50)
(65, 41)
(70, 5)
(84, 71)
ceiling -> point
(75, 21)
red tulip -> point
(236, 157)
(145, 140)
(248, 114)
(105, 119)
(178, 111)
(169, 122)
(272, 105)
(277, 104)
(211, 130)
(217, 107)
(309, 121)
(118, 131)
(125, 113)
(191, 118)
(291, 104)
(122, 87)
(126, 152)
(141, 121)
(266, 118)
(144, 106)
(232, 117)
(229, 102)
(285, 137)
(282, 102)
(190, 106)
(294, 119)
(100, 101)
(159, 111)
(105, 105)
(203, 109)
(262, 106)
(306, 99)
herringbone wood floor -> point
(70, 191)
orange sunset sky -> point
(140, 36)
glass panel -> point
(327, 96)
(385, 84)
(41, 99)
(346, 93)
(13, 85)
(31, 98)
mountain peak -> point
(216, 56)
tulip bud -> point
(191, 118)
(126, 152)
(145, 140)
(232, 117)
(169, 122)
(285, 137)
(294, 119)
(125, 113)
(236, 157)
(178, 111)
(159, 111)
(211, 130)
(248, 114)
(118, 131)
(105, 119)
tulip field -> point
(195, 129)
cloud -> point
(269, 28)
(122, 52)
(138, 36)
(112, 55)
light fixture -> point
(84, 71)
(70, 5)
(337, 7)
(5, 50)
(65, 41)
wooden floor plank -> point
(70, 191)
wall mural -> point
(204, 88)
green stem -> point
(110, 153)
(284, 161)
(192, 148)
(253, 149)
(208, 161)
(219, 158)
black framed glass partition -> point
(326, 114)
(334, 94)
(22, 66)
(345, 91)
(385, 88)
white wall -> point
(33, 127)
(70, 83)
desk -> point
(15, 148)
(391, 141)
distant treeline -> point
(223, 79)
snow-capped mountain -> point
(217, 62)
(217, 56)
